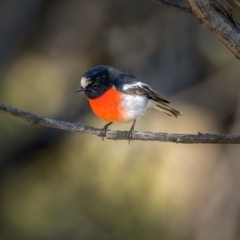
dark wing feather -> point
(151, 94)
(143, 89)
(139, 88)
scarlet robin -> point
(118, 96)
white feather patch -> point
(84, 82)
(129, 86)
(134, 106)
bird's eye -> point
(94, 84)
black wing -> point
(138, 88)
(143, 89)
(129, 84)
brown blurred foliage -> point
(60, 185)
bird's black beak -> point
(79, 89)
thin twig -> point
(173, 5)
(122, 135)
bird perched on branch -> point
(118, 96)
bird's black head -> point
(96, 81)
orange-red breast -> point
(117, 96)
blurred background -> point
(63, 185)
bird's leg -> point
(130, 137)
(103, 131)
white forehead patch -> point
(84, 82)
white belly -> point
(134, 107)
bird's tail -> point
(168, 110)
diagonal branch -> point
(173, 5)
(121, 135)
(216, 16)
(235, 4)
(221, 22)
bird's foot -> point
(103, 131)
(130, 136)
(130, 133)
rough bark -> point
(122, 135)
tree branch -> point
(235, 4)
(212, 16)
(173, 5)
(122, 135)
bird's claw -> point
(103, 132)
(130, 136)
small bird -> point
(118, 96)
